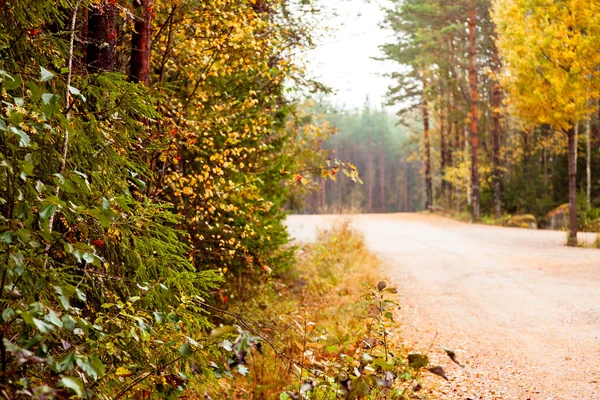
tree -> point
(140, 41)
(101, 37)
(551, 46)
(473, 91)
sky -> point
(343, 57)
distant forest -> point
(385, 154)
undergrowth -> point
(324, 330)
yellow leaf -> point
(124, 372)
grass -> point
(326, 328)
(316, 317)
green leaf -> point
(80, 293)
(69, 186)
(88, 257)
(75, 92)
(35, 90)
(86, 365)
(42, 326)
(69, 323)
(74, 384)
(48, 211)
(98, 366)
(332, 349)
(6, 237)
(416, 360)
(18, 259)
(49, 98)
(185, 350)
(24, 139)
(49, 102)
(45, 75)
(66, 363)
(53, 318)
(7, 314)
(160, 317)
(14, 82)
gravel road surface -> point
(521, 310)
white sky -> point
(343, 58)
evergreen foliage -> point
(137, 176)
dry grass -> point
(311, 315)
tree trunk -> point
(449, 153)
(323, 195)
(405, 197)
(140, 41)
(474, 117)
(572, 239)
(443, 156)
(345, 201)
(588, 167)
(426, 143)
(382, 181)
(370, 180)
(496, 136)
(101, 37)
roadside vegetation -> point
(326, 329)
(148, 153)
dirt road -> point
(520, 308)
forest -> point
(498, 113)
(151, 150)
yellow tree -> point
(551, 58)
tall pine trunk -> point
(496, 135)
(427, 144)
(451, 147)
(443, 156)
(382, 181)
(140, 41)
(405, 206)
(572, 136)
(370, 175)
(474, 117)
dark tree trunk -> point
(405, 198)
(443, 156)
(370, 175)
(140, 41)
(345, 201)
(474, 117)
(382, 181)
(427, 144)
(572, 239)
(101, 37)
(496, 137)
(451, 149)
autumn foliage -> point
(149, 150)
